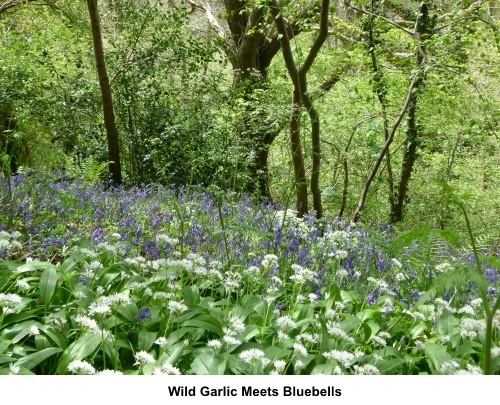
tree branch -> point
(395, 24)
(380, 158)
(214, 23)
(15, 3)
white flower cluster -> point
(142, 358)
(164, 238)
(176, 307)
(470, 328)
(232, 281)
(91, 325)
(89, 269)
(292, 221)
(9, 242)
(166, 369)
(81, 367)
(301, 274)
(381, 285)
(342, 357)
(367, 369)
(255, 356)
(10, 302)
(233, 328)
(285, 322)
(337, 332)
(444, 267)
(451, 367)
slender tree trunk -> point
(316, 149)
(364, 193)
(299, 170)
(107, 99)
(413, 133)
(300, 96)
(380, 89)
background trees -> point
(200, 97)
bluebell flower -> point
(144, 313)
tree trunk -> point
(413, 133)
(107, 100)
(251, 49)
(301, 96)
(299, 170)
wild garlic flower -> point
(117, 299)
(161, 341)
(236, 324)
(286, 321)
(14, 369)
(164, 238)
(87, 322)
(214, 344)
(10, 300)
(299, 364)
(470, 328)
(269, 260)
(471, 370)
(302, 275)
(168, 369)
(336, 331)
(341, 254)
(396, 263)
(232, 281)
(253, 356)
(466, 309)
(279, 365)
(379, 340)
(444, 267)
(367, 369)
(449, 367)
(176, 307)
(308, 337)
(142, 358)
(300, 349)
(282, 336)
(99, 308)
(299, 298)
(23, 285)
(342, 357)
(230, 340)
(81, 367)
(109, 372)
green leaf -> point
(128, 312)
(389, 365)
(47, 285)
(173, 354)
(326, 369)
(208, 364)
(35, 266)
(4, 345)
(205, 322)
(350, 323)
(191, 295)
(72, 260)
(436, 355)
(81, 348)
(448, 325)
(146, 339)
(32, 360)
